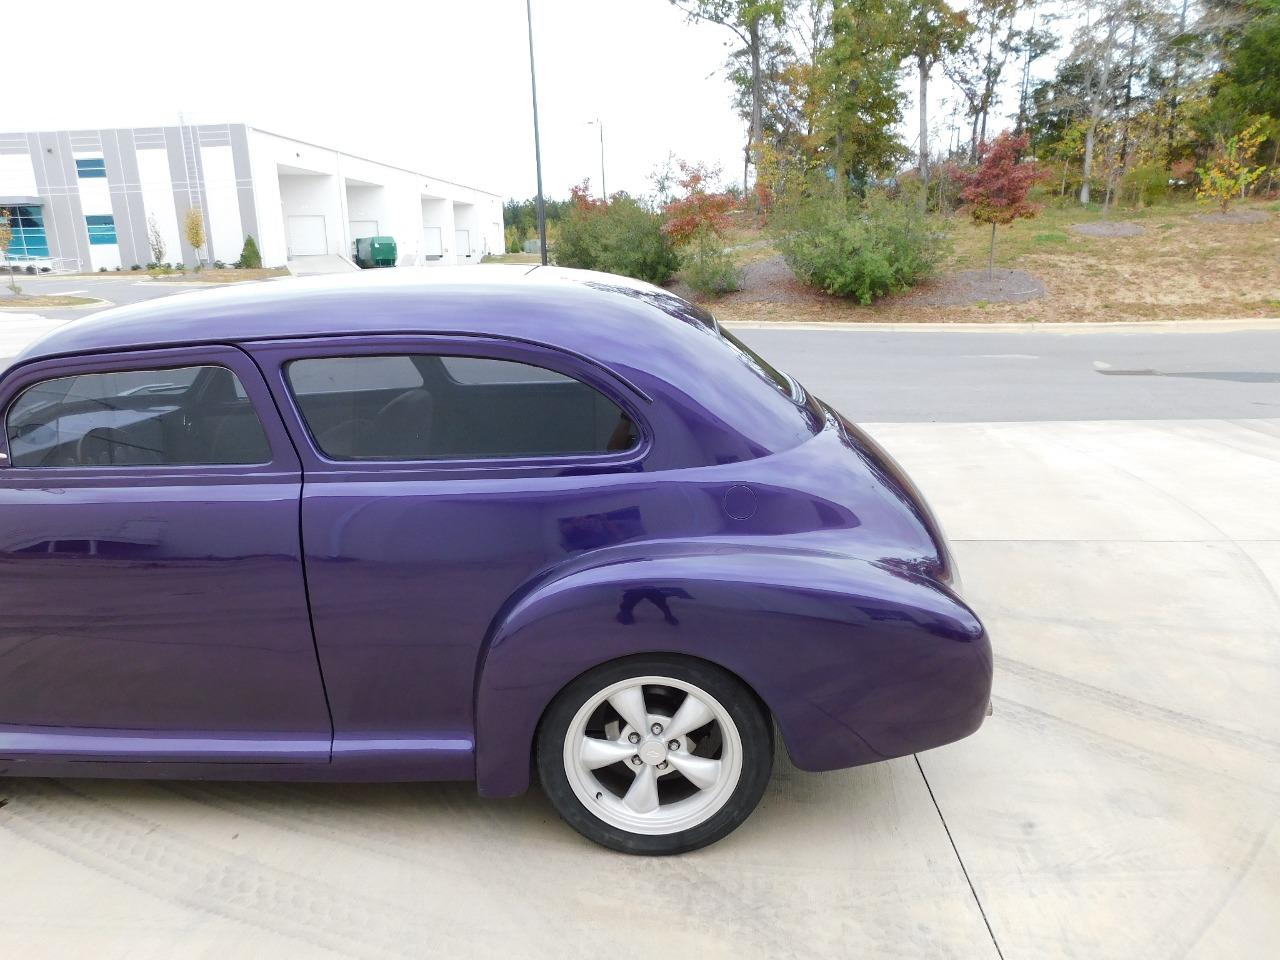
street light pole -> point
(604, 190)
(537, 142)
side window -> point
(175, 416)
(452, 407)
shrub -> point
(250, 258)
(102, 269)
(860, 248)
(709, 270)
(136, 266)
(219, 265)
(622, 237)
(1148, 184)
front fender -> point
(857, 661)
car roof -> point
(664, 346)
(403, 300)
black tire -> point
(748, 714)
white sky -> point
(438, 86)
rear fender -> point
(829, 643)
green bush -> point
(709, 270)
(250, 258)
(624, 238)
(859, 248)
(1147, 185)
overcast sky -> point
(438, 86)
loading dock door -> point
(432, 249)
(307, 235)
(363, 228)
(462, 240)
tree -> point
(155, 241)
(1231, 170)
(250, 258)
(6, 237)
(977, 69)
(193, 230)
(997, 191)
(696, 224)
(749, 20)
(933, 31)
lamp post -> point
(537, 143)
(604, 192)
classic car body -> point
(287, 612)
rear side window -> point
(175, 416)
(453, 407)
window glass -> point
(362, 408)
(89, 168)
(102, 229)
(179, 415)
(29, 240)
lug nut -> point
(633, 737)
(663, 765)
(656, 728)
(673, 745)
(636, 761)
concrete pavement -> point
(1121, 802)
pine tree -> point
(250, 258)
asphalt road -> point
(961, 374)
(1028, 373)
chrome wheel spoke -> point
(629, 702)
(600, 753)
(699, 771)
(693, 713)
(642, 797)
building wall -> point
(243, 181)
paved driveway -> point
(1122, 801)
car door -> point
(440, 475)
(152, 599)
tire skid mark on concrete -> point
(320, 812)
(1123, 751)
(1134, 707)
(203, 878)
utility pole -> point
(537, 142)
(604, 191)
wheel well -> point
(537, 730)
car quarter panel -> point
(858, 661)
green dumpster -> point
(375, 252)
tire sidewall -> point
(745, 710)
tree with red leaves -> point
(699, 213)
(996, 191)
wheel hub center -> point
(653, 752)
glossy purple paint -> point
(411, 620)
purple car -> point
(482, 525)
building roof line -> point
(391, 166)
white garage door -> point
(432, 249)
(364, 228)
(307, 236)
(462, 240)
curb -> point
(1221, 325)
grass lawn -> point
(1177, 268)
(23, 303)
(513, 258)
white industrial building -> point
(88, 199)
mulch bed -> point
(1108, 228)
(1233, 216)
(771, 281)
(973, 286)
